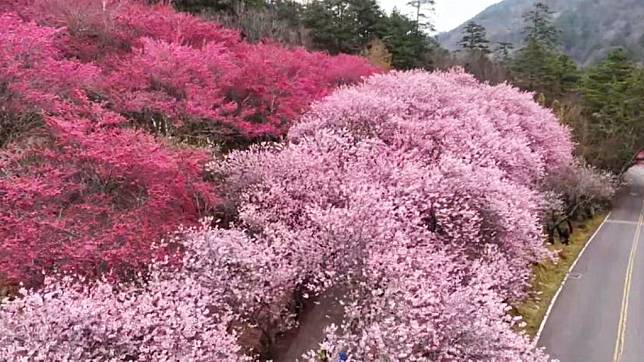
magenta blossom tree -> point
(103, 108)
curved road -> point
(599, 314)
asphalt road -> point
(599, 314)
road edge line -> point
(623, 315)
(572, 266)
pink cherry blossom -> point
(418, 195)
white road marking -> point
(623, 315)
(622, 222)
(554, 299)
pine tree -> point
(232, 7)
(409, 48)
(369, 19)
(539, 26)
(343, 26)
(531, 67)
(539, 66)
(541, 69)
(475, 38)
(607, 80)
(612, 94)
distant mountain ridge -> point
(590, 28)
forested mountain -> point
(590, 28)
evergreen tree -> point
(330, 31)
(343, 26)
(232, 7)
(335, 26)
(541, 69)
(539, 27)
(567, 73)
(369, 19)
(612, 93)
(409, 47)
(475, 38)
(531, 67)
(607, 81)
(539, 66)
(349, 26)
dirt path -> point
(323, 312)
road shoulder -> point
(549, 276)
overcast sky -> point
(449, 13)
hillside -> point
(590, 28)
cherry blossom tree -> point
(174, 316)
(420, 197)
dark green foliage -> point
(227, 6)
(343, 26)
(539, 27)
(613, 100)
(288, 11)
(544, 70)
(334, 26)
(475, 38)
(347, 26)
(539, 66)
(409, 47)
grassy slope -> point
(548, 276)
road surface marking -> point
(623, 316)
(554, 299)
(623, 222)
